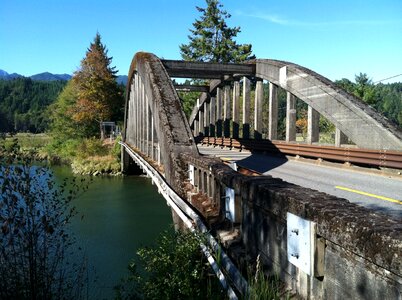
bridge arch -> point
(357, 120)
(154, 120)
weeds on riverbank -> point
(86, 156)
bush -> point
(91, 147)
(174, 269)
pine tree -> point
(99, 96)
(212, 40)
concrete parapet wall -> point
(362, 250)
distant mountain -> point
(6, 76)
(122, 79)
(46, 76)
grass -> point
(263, 287)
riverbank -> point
(89, 156)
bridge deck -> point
(377, 192)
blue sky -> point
(337, 39)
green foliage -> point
(174, 269)
(385, 98)
(116, 149)
(38, 256)
(189, 100)
(23, 104)
(212, 40)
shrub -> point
(174, 269)
(37, 254)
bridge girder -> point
(206, 70)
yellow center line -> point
(368, 194)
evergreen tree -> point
(99, 97)
(212, 40)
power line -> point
(387, 78)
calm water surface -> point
(120, 214)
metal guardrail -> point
(378, 158)
(194, 222)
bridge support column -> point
(273, 112)
(152, 146)
(246, 108)
(219, 112)
(259, 95)
(130, 120)
(144, 119)
(290, 117)
(147, 125)
(340, 138)
(137, 111)
(236, 111)
(201, 122)
(212, 116)
(313, 125)
(206, 118)
(141, 116)
(195, 129)
(226, 112)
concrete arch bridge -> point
(321, 246)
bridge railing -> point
(377, 158)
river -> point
(120, 214)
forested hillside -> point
(23, 101)
(23, 104)
(385, 98)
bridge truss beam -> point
(206, 70)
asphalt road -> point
(378, 192)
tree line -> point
(23, 104)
